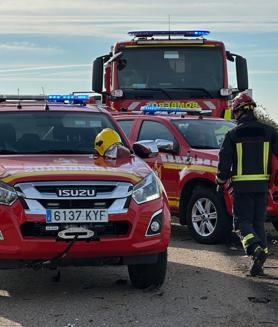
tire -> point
(146, 275)
(274, 221)
(214, 225)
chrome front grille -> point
(39, 196)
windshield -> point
(171, 72)
(50, 132)
(204, 134)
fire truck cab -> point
(168, 69)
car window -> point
(204, 134)
(126, 125)
(151, 130)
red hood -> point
(70, 167)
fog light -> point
(1, 236)
(155, 226)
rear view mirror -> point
(241, 73)
(165, 145)
(145, 149)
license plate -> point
(76, 215)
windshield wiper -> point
(3, 151)
(194, 89)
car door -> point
(167, 171)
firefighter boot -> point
(258, 259)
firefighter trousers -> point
(249, 211)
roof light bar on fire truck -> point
(145, 34)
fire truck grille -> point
(40, 229)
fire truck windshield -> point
(171, 72)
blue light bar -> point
(167, 33)
(63, 98)
(154, 109)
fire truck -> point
(187, 161)
(180, 69)
(62, 204)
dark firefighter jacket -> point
(245, 155)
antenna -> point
(46, 107)
(18, 104)
(169, 24)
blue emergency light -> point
(154, 109)
(168, 33)
(73, 98)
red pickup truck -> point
(62, 204)
(187, 164)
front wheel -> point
(206, 217)
(146, 275)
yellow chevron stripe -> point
(70, 172)
(209, 169)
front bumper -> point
(16, 248)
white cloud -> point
(99, 18)
(25, 46)
(40, 68)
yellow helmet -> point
(105, 139)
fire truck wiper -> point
(205, 91)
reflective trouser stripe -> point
(246, 239)
(266, 250)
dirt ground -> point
(205, 286)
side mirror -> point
(165, 145)
(241, 73)
(97, 75)
(145, 149)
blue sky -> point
(52, 43)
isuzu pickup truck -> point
(62, 204)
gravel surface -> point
(205, 286)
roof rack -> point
(151, 110)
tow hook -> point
(77, 233)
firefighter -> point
(108, 144)
(245, 158)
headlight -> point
(7, 194)
(147, 189)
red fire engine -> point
(180, 69)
